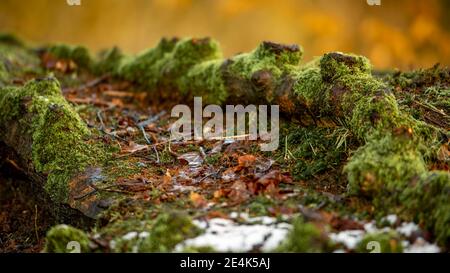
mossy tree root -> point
(49, 138)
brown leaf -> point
(197, 199)
(239, 192)
(246, 160)
(167, 178)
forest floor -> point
(242, 199)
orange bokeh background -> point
(398, 34)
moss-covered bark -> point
(47, 133)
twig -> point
(156, 152)
(152, 119)
(89, 84)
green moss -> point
(17, 61)
(205, 80)
(427, 202)
(374, 115)
(159, 235)
(165, 65)
(198, 249)
(310, 87)
(391, 171)
(110, 61)
(79, 54)
(304, 238)
(3, 73)
(10, 39)
(335, 65)
(142, 69)
(389, 242)
(213, 159)
(59, 240)
(59, 136)
(384, 166)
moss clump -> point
(256, 76)
(159, 235)
(164, 66)
(421, 79)
(141, 69)
(391, 171)
(389, 242)
(309, 86)
(9, 39)
(79, 54)
(59, 137)
(59, 240)
(427, 200)
(304, 238)
(205, 80)
(16, 61)
(110, 61)
(335, 65)
(270, 57)
(384, 166)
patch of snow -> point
(349, 238)
(408, 229)
(421, 246)
(391, 218)
(225, 235)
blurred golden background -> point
(399, 33)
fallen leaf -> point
(239, 192)
(197, 199)
(167, 178)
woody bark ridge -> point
(389, 168)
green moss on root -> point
(427, 201)
(110, 62)
(16, 61)
(79, 54)
(205, 80)
(141, 69)
(164, 65)
(60, 239)
(59, 136)
(335, 65)
(384, 166)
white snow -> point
(407, 229)
(421, 246)
(349, 238)
(391, 218)
(226, 235)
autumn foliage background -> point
(398, 34)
